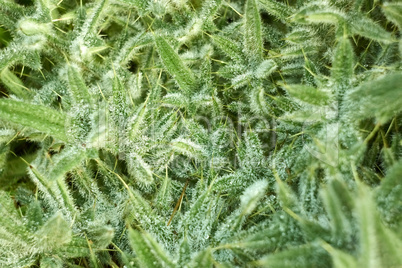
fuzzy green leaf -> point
(139, 169)
(184, 252)
(14, 84)
(148, 252)
(94, 18)
(34, 216)
(49, 262)
(253, 42)
(120, 106)
(141, 5)
(174, 65)
(388, 195)
(369, 98)
(342, 65)
(31, 27)
(55, 233)
(3, 157)
(251, 196)
(42, 118)
(55, 192)
(341, 259)
(305, 256)
(379, 247)
(335, 197)
(187, 148)
(65, 162)
(137, 122)
(286, 196)
(78, 247)
(266, 68)
(277, 9)
(229, 47)
(78, 90)
(319, 14)
(308, 94)
(202, 259)
(364, 26)
(101, 236)
(393, 11)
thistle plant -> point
(215, 133)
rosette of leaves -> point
(208, 133)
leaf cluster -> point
(256, 133)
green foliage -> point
(174, 64)
(258, 133)
(148, 251)
(386, 89)
(253, 48)
(39, 117)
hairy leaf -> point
(42, 118)
(253, 42)
(174, 65)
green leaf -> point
(133, 44)
(319, 14)
(65, 196)
(340, 259)
(253, 42)
(120, 107)
(6, 135)
(101, 236)
(174, 65)
(7, 209)
(32, 27)
(78, 247)
(251, 196)
(148, 252)
(3, 157)
(177, 100)
(18, 53)
(139, 170)
(187, 147)
(209, 8)
(43, 184)
(184, 251)
(55, 192)
(14, 84)
(287, 197)
(336, 197)
(369, 99)
(34, 216)
(141, 5)
(259, 104)
(388, 195)
(94, 18)
(342, 65)
(78, 90)
(42, 118)
(364, 26)
(379, 247)
(49, 262)
(54, 233)
(66, 161)
(266, 68)
(202, 259)
(229, 47)
(308, 94)
(305, 256)
(137, 122)
(393, 11)
(277, 9)
(300, 35)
